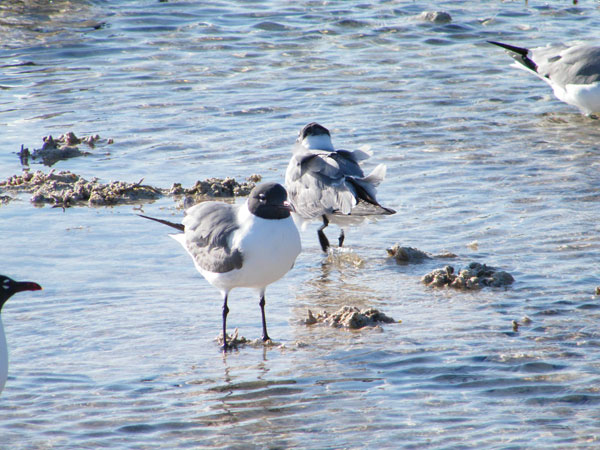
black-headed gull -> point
(573, 72)
(8, 288)
(328, 184)
(250, 245)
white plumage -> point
(573, 72)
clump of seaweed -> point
(216, 187)
(475, 276)
(349, 317)
(65, 189)
(61, 148)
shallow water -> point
(118, 349)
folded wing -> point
(332, 182)
(208, 230)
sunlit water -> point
(118, 350)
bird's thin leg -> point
(265, 335)
(322, 238)
(341, 238)
(225, 312)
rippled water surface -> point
(118, 350)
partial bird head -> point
(315, 137)
(9, 287)
(269, 201)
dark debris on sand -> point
(349, 317)
(475, 276)
(411, 255)
(61, 148)
(235, 341)
(5, 199)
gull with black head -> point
(573, 72)
(328, 184)
(248, 245)
(9, 287)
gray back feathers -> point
(331, 182)
(568, 65)
(208, 229)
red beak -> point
(27, 286)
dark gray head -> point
(9, 287)
(269, 201)
(313, 129)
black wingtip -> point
(177, 226)
(363, 196)
(519, 54)
(511, 48)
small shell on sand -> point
(349, 317)
(475, 276)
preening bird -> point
(249, 245)
(8, 288)
(573, 72)
(329, 185)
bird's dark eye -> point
(262, 197)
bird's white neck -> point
(318, 142)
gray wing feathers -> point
(312, 197)
(568, 65)
(208, 227)
(324, 182)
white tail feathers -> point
(377, 176)
(362, 154)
